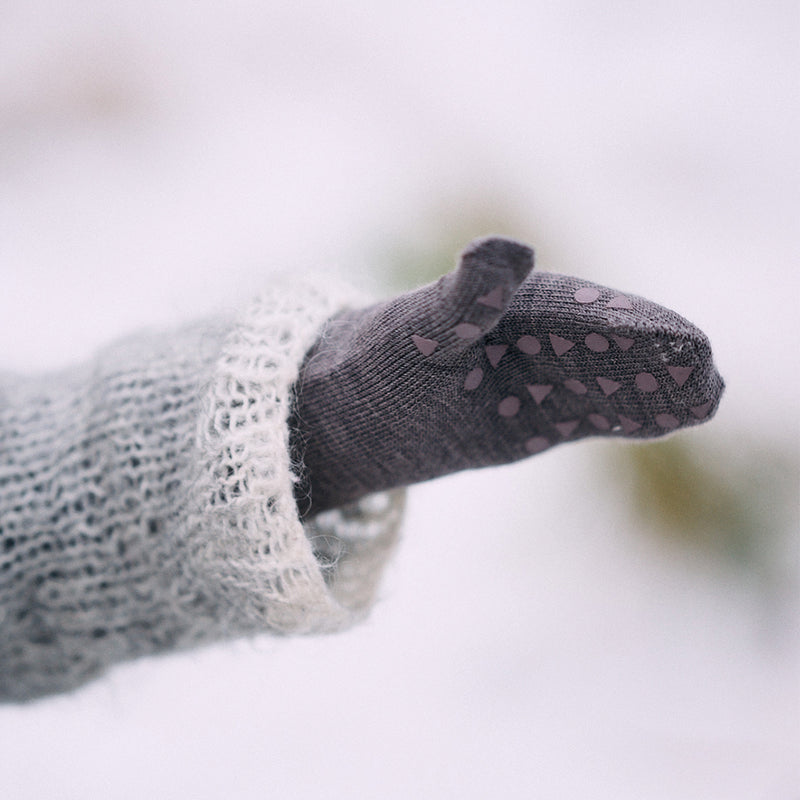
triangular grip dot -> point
(623, 342)
(608, 386)
(539, 391)
(667, 421)
(494, 299)
(494, 352)
(680, 374)
(425, 346)
(566, 428)
(600, 422)
(588, 294)
(575, 385)
(629, 425)
(701, 412)
(620, 301)
(560, 346)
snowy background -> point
(158, 160)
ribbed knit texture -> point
(146, 500)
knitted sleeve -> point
(146, 501)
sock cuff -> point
(277, 572)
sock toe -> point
(614, 364)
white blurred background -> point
(603, 621)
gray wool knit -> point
(146, 501)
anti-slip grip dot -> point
(620, 301)
(623, 342)
(494, 299)
(494, 352)
(425, 346)
(473, 379)
(646, 382)
(560, 345)
(600, 422)
(536, 444)
(566, 428)
(667, 421)
(574, 385)
(529, 345)
(587, 294)
(608, 386)
(596, 342)
(680, 374)
(508, 406)
(539, 391)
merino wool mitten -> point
(486, 366)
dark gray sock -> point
(486, 366)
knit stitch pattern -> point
(490, 364)
(146, 500)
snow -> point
(157, 161)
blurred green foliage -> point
(735, 499)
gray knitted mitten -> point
(484, 367)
